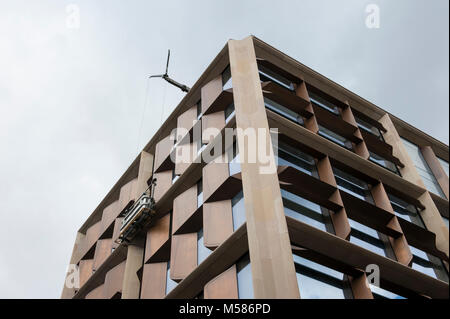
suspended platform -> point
(137, 215)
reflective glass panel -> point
(199, 194)
(352, 185)
(283, 111)
(238, 209)
(244, 278)
(405, 210)
(170, 284)
(202, 251)
(427, 264)
(290, 156)
(227, 82)
(316, 281)
(323, 103)
(380, 293)
(334, 137)
(444, 165)
(266, 74)
(369, 128)
(383, 162)
(303, 210)
(367, 238)
(229, 112)
(423, 169)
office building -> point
(357, 195)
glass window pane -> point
(427, 264)
(323, 103)
(200, 147)
(405, 210)
(445, 220)
(174, 177)
(352, 185)
(199, 109)
(368, 128)
(289, 156)
(432, 185)
(266, 74)
(316, 281)
(367, 238)
(234, 166)
(444, 165)
(422, 168)
(380, 293)
(334, 137)
(170, 284)
(227, 82)
(303, 210)
(383, 162)
(229, 112)
(244, 278)
(283, 111)
(202, 251)
(199, 194)
(238, 208)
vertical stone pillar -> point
(271, 259)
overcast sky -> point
(72, 99)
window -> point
(229, 112)
(444, 165)
(238, 210)
(290, 156)
(202, 251)
(199, 109)
(199, 193)
(244, 278)
(405, 210)
(369, 128)
(380, 293)
(377, 159)
(174, 177)
(428, 264)
(367, 238)
(234, 165)
(268, 75)
(303, 210)
(352, 185)
(334, 137)
(200, 146)
(323, 103)
(283, 111)
(170, 284)
(445, 220)
(227, 82)
(316, 281)
(422, 168)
